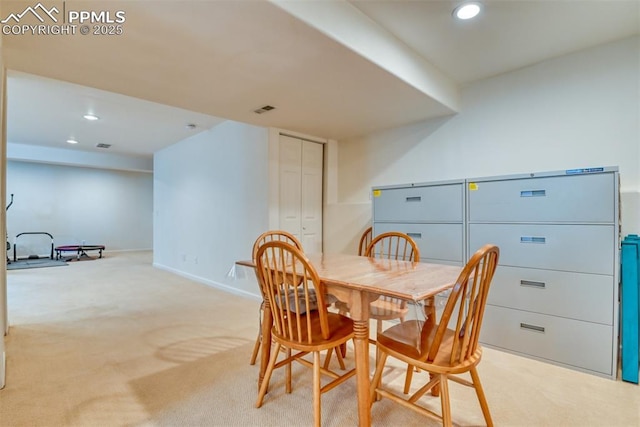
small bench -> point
(80, 250)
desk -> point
(357, 281)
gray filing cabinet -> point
(431, 213)
(554, 295)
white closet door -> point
(311, 197)
(300, 205)
(290, 185)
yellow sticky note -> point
(473, 186)
(377, 193)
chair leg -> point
(372, 341)
(327, 359)
(288, 372)
(481, 397)
(379, 326)
(408, 378)
(340, 358)
(377, 376)
(267, 375)
(256, 349)
(258, 344)
(316, 389)
(444, 401)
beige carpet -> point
(115, 342)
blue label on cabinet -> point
(583, 170)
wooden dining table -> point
(358, 281)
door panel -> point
(290, 185)
(300, 204)
(311, 217)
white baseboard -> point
(210, 283)
(3, 367)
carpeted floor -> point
(120, 343)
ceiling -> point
(332, 69)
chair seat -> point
(386, 310)
(383, 310)
(341, 328)
(341, 305)
(407, 339)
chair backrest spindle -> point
(365, 240)
(393, 245)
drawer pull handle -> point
(532, 239)
(533, 284)
(415, 235)
(414, 199)
(532, 327)
(533, 193)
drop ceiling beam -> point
(347, 25)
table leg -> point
(265, 346)
(360, 314)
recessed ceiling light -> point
(91, 117)
(72, 141)
(466, 10)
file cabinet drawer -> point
(570, 342)
(437, 242)
(579, 248)
(573, 295)
(569, 198)
(437, 203)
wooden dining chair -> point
(301, 323)
(268, 236)
(443, 349)
(389, 245)
(365, 240)
(397, 246)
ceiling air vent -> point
(264, 109)
(103, 145)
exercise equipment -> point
(15, 242)
(9, 244)
(80, 250)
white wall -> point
(106, 207)
(579, 110)
(210, 203)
